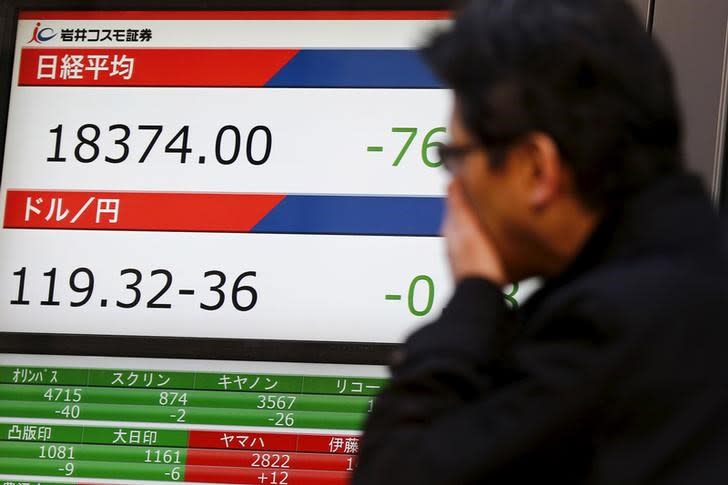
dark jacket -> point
(615, 372)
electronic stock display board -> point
(215, 224)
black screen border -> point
(324, 352)
(366, 353)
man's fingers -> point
(458, 206)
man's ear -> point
(542, 169)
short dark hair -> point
(585, 72)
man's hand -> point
(470, 250)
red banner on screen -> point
(136, 211)
(151, 67)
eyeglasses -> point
(452, 156)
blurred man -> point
(566, 164)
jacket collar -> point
(672, 215)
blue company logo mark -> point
(42, 35)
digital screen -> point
(215, 178)
(258, 175)
(252, 176)
(70, 419)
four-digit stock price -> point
(231, 144)
(81, 281)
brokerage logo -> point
(42, 35)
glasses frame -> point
(452, 156)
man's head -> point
(563, 109)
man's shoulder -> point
(663, 257)
(655, 290)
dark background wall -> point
(695, 35)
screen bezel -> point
(184, 347)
